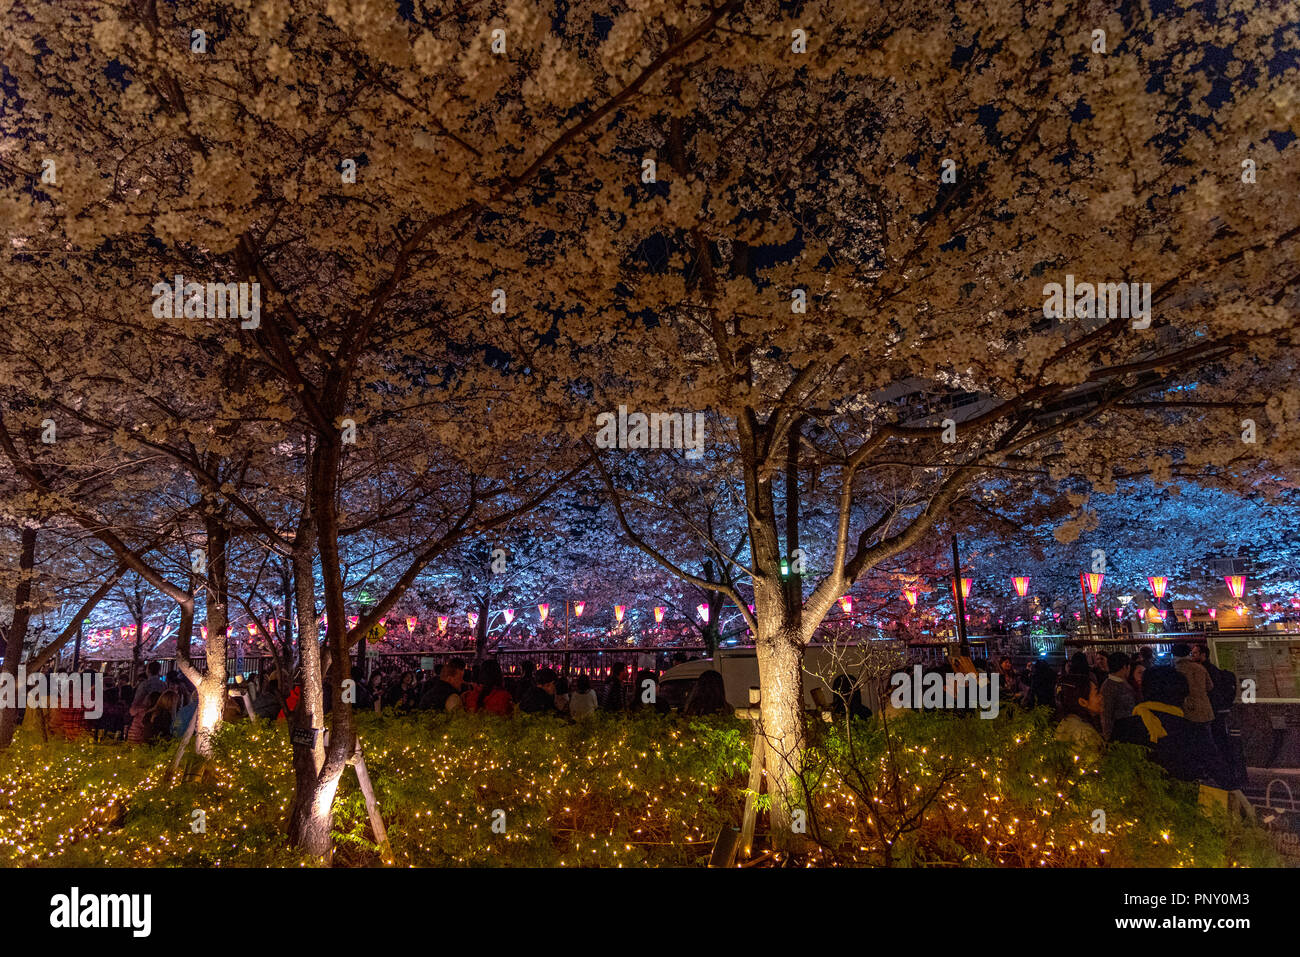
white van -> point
(739, 666)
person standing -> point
(1118, 699)
(1197, 708)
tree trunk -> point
(18, 633)
(480, 629)
(309, 817)
(211, 689)
(780, 675)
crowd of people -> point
(1181, 712)
(484, 688)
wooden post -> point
(749, 818)
(185, 740)
(372, 805)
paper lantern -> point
(1214, 613)
(704, 613)
(203, 629)
(965, 588)
(473, 620)
(442, 624)
(411, 622)
(542, 611)
(1158, 585)
(509, 614)
(847, 604)
(1093, 580)
(352, 621)
(270, 625)
(252, 628)
(910, 595)
(1021, 584)
(1236, 584)
(1187, 613)
(619, 610)
(659, 614)
(577, 608)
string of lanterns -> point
(1089, 581)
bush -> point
(613, 791)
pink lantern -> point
(577, 608)
(352, 621)
(203, 629)
(846, 603)
(1092, 580)
(619, 610)
(542, 611)
(509, 615)
(1214, 613)
(473, 620)
(704, 613)
(270, 625)
(411, 622)
(252, 628)
(1187, 613)
(1158, 585)
(1236, 584)
(659, 614)
(442, 624)
(1021, 584)
(910, 595)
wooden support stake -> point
(185, 740)
(748, 820)
(372, 805)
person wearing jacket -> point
(1159, 724)
(1197, 707)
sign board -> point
(306, 737)
(426, 664)
(1271, 661)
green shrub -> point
(613, 791)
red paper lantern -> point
(965, 588)
(577, 608)
(542, 611)
(442, 624)
(1092, 580)
(659, 614)
(1021, 583)
(473, 620)
(910, 595)
(411, 622)
(847, 604)
(1236, 584)
(1158, 585)
(619, 610)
